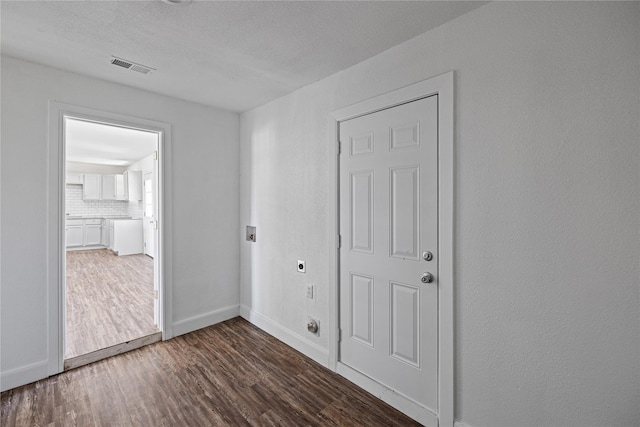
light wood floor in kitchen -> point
(109, 300)
(229, 374)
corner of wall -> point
(23, 375)
(203, 320)
(297, 342)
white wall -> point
(136, 209)
(204, 209)
(547, 207)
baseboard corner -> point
(287, 336)
(200, 321)
(23, 375)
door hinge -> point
(155, 294)
(155, 155)
(339, 147)
(155, 224)
(339, 335)
(339, 241)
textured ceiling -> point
(233, 55)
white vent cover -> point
(130, 65)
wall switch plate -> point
(302, 267)
(310, 291)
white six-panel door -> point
(388, 225)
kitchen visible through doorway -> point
(111, 273)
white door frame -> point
(56, 252)
(443, 86)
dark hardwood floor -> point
(109, 300)
(229, 374)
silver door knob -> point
(427, 278)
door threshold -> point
(104, 353)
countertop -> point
(98, 217)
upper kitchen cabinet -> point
(75, 178)
(91, 190)
(133, 183)
(113, 187)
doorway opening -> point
(111, 203)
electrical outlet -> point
(310, 291)
(301, 267)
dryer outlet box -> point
(251, 234)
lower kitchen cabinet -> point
(75, 232)
(83, 232)
(126, 236)
(92, 232)
(105, 232)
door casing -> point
(55, 221)
(443, 85)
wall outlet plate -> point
(302, 267)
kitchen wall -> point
(135, 209)
(202, 247)
(547, 207)
(76, 206)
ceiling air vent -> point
(130, 65)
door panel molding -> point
(443, 86)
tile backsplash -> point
(75, 206)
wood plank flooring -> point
(229, 374)
(109, 300)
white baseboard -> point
(460, 424)
(23, 375)
(203, 320)
(287, 336)
(398, 401)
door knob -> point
(426, 278)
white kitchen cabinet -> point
(113, 187)
(111, 238)
(75, 178)
(74, 232)
(105, 232)
(133, 184)
(126, 236)
(92, 232)
(92, 186)
(83, 232)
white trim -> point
(23, 375)
(203, 320)
(442, 85)
(56, 252)
(401, 403)
(460, 424)
(298, 342)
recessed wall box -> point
(251, 234)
